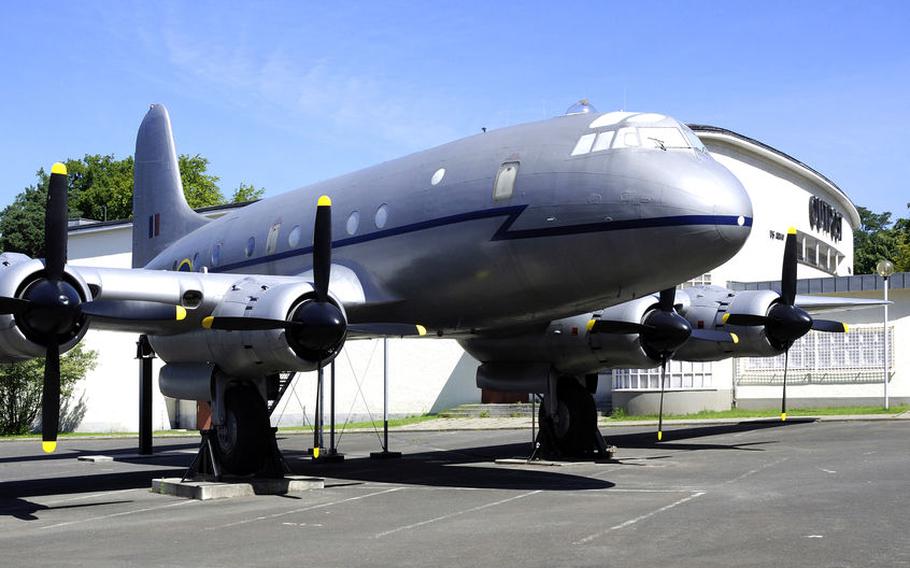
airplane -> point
(523, 243)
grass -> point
(618, 414)
(393, 422)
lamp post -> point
(885, 268)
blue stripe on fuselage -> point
(503, 233)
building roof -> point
(92, 226)
(833, 285)
(708, 132)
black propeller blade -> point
(50, 399)
(322, 247)
(317, 325)
(51, 311)
(785, 322)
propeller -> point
(662, 332)
(317, 324)
(51, 312)
(785, 322)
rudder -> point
(160, 213)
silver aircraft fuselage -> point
(577, 233)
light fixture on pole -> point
(885, 268)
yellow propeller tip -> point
(735, 338)
(783, 416)
(48, 447)
(181, 313)
(846, 328)
(421, 331)
(58, 168)
(791, 231)
(660, 435)
(207, 322)
(315, 452)
(590, 325)
(725, 317)
(324, 201)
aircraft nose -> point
(732, 206)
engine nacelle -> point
(250, 353)
(17, 273)
(565, 347)
(707, 308)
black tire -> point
(242, 440)
(573, 433)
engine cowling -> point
(19, 274)
(707, 308)
(253, 353)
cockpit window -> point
(626, 138)
(694, 141)
(662, 137)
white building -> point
(431, 375)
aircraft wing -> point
(827, 304)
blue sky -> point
(281, 94)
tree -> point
(99, 187)
(21, 385)
(247, 192)
(873, 240)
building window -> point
(681, 375)
(505, 181)
(824, 358)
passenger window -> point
(250, 246)
(271, 243)
(505, 181)
(603, 141)
(294, 236)
(584, 145)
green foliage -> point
(247, 192)
(200, 188)
(22, 222)
(879, 238)
(21, 385)
(101, 187)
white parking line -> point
(754, 471)
(457, 513)
(120, 514)
(631, 522)
(304, 509)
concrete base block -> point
(95, 459)
(205, 490)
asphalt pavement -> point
(800, 493)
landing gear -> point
(571, 431)
(246, 426)
(244, 444)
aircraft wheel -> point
(572, 434)
(242, 444)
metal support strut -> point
(385, 453)
(145, 354)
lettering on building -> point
(824, 218)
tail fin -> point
(160, 212)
